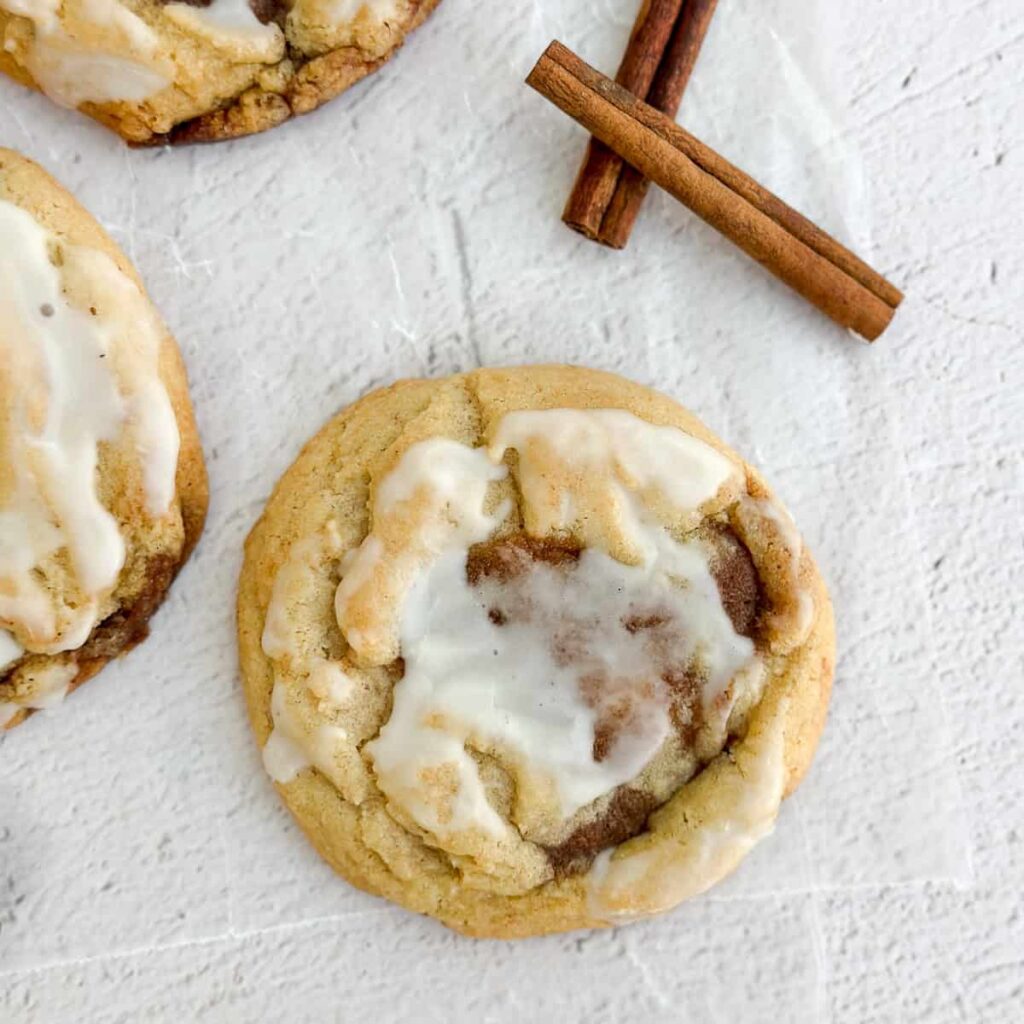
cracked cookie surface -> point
(530, 649)
(163, 71)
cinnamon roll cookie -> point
(102, 484)
(530, 649)
(199, 70)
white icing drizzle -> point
(468, 682)
(231, 25)
(291, 749)
(583, 470)
(120, 61)
(76, 381)
(71, 77)
(231, 16)
(503, 686)
(99, 51)
(456, 477)
(283, 756)
(111, 14)
(134, 338)
(641, 455)
(625, 884)
(431, 502)
(43, 13)
(10, 649)
(349, 10)
(290, 585)
(330, 684)
(471, 683)
(344, 11)
(50, 686)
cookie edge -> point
(59, 211)
(255, 110)
(812, 665)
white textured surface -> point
(146, 869)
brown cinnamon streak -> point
(662, 51)
(795, 250)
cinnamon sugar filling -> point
(620, 703)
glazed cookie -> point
(160, 71)
(530, 650)
(102, 484)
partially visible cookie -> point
(178, 71)
(103, 489)
(531, 649)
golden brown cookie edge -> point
(29, 186)
(329, 822)
(255, 110)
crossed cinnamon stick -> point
(642, 142)
(663, 48)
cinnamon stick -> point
(802, 255)
(659, 59)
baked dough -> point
(165, 71)
(530, 649)
(102, 484)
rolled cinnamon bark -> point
(659, 59)
(795, 250)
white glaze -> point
(113, 15)
(70, 76)
(291, 748)
(330, 684)
(10, 649)
(76, 381)
(585, 469)
(291, 588)
(502, 689)
(457, 477)
(624, 885)
(469, 682)
(229, 16)
(49, 686)
(123, 60)
(43, 13)
(431, 502)
(135, 336)
(122, 63)
(51, 683)
(485, 683)
(231, 25)
(685, 470)
(283, 756)
(343, 11)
